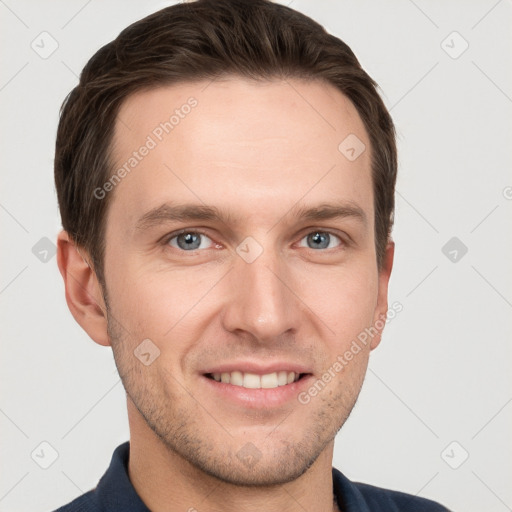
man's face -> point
(262, 290)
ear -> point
(83, 291)
(379, 320)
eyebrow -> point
(189, 212)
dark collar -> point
(115, 491)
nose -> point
(262, 300)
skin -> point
(255, 150)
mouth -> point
(256, 385)
(258, 389)
(249, 380)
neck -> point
(165, 481)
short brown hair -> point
(199, 40)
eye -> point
(321, 240)
(189, 241)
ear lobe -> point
(83, 291)
(379, 320)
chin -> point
(256, 470)
(249, 461)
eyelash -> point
(166, 240)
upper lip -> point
(258, 367)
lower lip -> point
(259, 398)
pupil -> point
(189, 240)
(320, 240)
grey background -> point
(443, 371)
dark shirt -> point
(115, 493)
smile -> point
(255, 381)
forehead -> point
(254, 145)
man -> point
(225, 173)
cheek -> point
(344, 298)
(139, 293)
(165, 306)
(171, 305)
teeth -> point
(269, 380)
(254, 381)
(251, 381)
(237, 378)
(282, 378)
